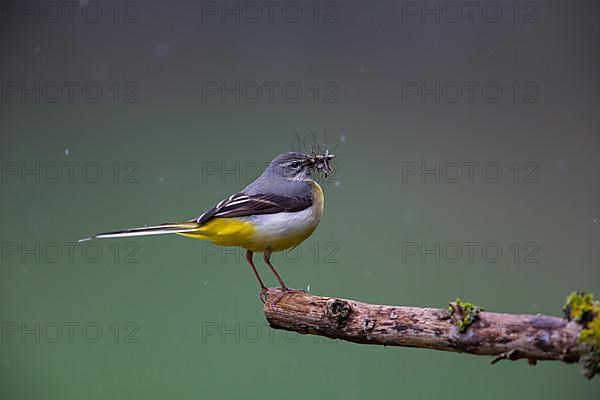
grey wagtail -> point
(277, 211)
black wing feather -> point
(243, 205)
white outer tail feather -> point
(145, 231)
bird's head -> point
(295, 165)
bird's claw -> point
(263, 295)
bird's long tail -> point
(163, 229)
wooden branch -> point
(505, 336)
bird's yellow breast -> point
(318, 198)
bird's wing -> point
(243, 205)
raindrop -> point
(563, 166)
(161, 49)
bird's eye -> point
(295, 164)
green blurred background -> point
(171, 316)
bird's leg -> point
(267, 257)
(263, 288)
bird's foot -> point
(263, 295)
(286, 289)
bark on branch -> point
(504, 336)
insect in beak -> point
(321, 162)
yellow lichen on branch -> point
(583, 309)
